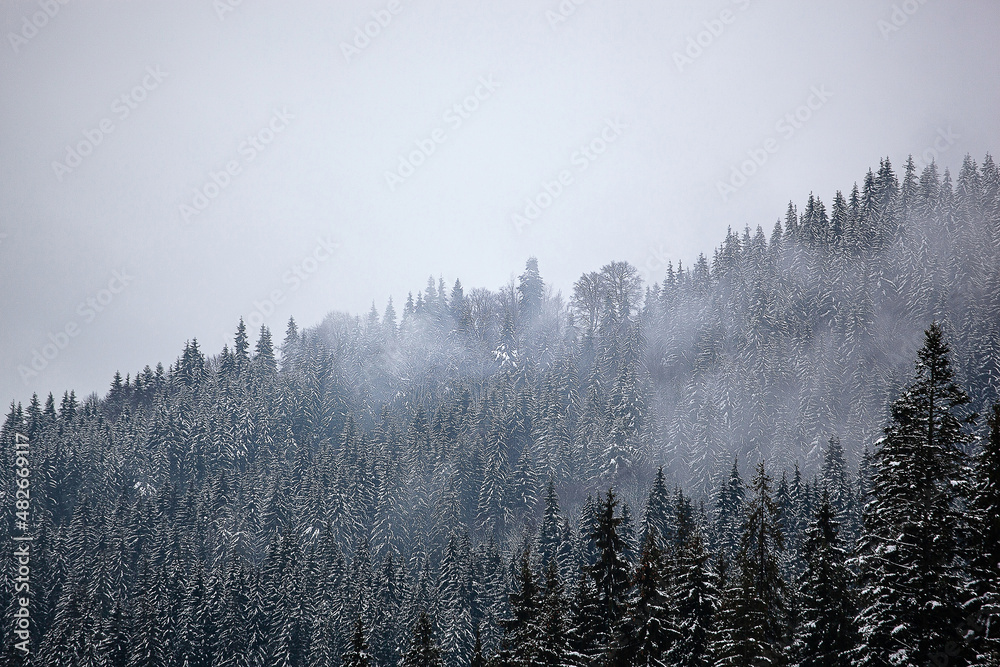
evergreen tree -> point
(643, 637)
(912, 566)
(756, 630)
(553, 623)
(242, 346)
(357, 655)
(835, 482)
(264, 360)
(984, 619)
(530, 289)
(586, 623)
(551, 533)
(826, 634)
(424, 650)
(659, 514)
(729, 511)
(611, 571)
(694, 602)
(521, 630)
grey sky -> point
(308, 134)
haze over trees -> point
(785, 454)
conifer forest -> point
(786, 452)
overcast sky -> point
(168, 167)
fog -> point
(168, 168)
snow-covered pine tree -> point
(835, 481)
(553, 622)
(424, 650)
(643, 637)
(729, 507)
(826, 632)
(913, 574)
(585, 624)
(611, 571)
(757, 600)
(550, 534)
(984, 611)
(694, 601)
(455, 604)
(659, 513)
(521, 645)
(357, 654)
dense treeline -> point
(508, 478)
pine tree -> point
(984, 619)
(611, 571)
(530, 289)
(756, 632)
(242, 346)
(826, 634)
(659, 514)
(644, 636)
(357, 655)
(553, 622)
(694, 602)
(521, 630)
(912, 569)
(424, 650)
(835, 482)
(455, 603)
(585, 626)
(477, 659)
(551, 533)
(729, 512)
(264, 361)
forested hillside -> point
(740, 465)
